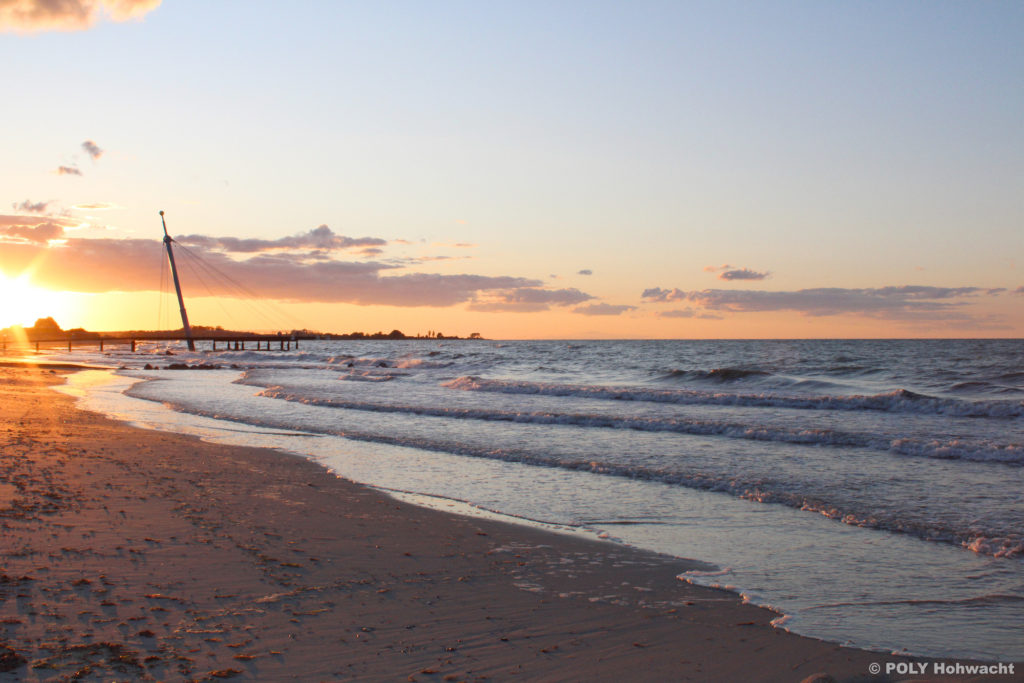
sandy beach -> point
(136, 555)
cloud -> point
(530, 299)
(727, 272)
(29, 206)
(32, 229)
(106, 265)
(459, 245)
(688, 313)
(40, 233)
(319, 238)
(585, 271)
(742, 274)
(68, 15)
(428, 259)
(67, 170)
(903, 302)
(95, 206)
(1019, 290)
(678, 313)
(92, 149)
(657, 294)
(603, 309)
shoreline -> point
(158, 555)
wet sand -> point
(136, 555)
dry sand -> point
(137, 555)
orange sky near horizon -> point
(158, 310)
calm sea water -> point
(870, 491)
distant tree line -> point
(48, 329)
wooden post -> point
(214, 344)
(37, 347)
(69, 344)
(133, 346)
(101, 343)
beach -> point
(133, 554)
(867, 492)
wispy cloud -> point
(92, 149)
(899, 303)
(28, 206)
(585, 271)
(68, 15)
(603, 309)
(530, 299)
(68, 170)
(657, 294)
(678, 313)
(458, 245)
(95, 206)
(428, 259)
(688, 313)
(321, 237)
(727, 272)
(742, 274)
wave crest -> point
(898, 401)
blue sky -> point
(840, 146)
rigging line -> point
(239, 287)
(219, 299)
(278, 311)
(221, 273)
(162, 300)
(167, 295)
(195, 263)
(199, 276)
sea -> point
(870, 492)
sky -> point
(576, 169)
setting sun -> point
(24, 302)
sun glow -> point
(22, 303)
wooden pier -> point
(263, 342)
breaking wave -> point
(898, 401)
(956, 449)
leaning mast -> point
(177, 286)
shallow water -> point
(868, 490)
